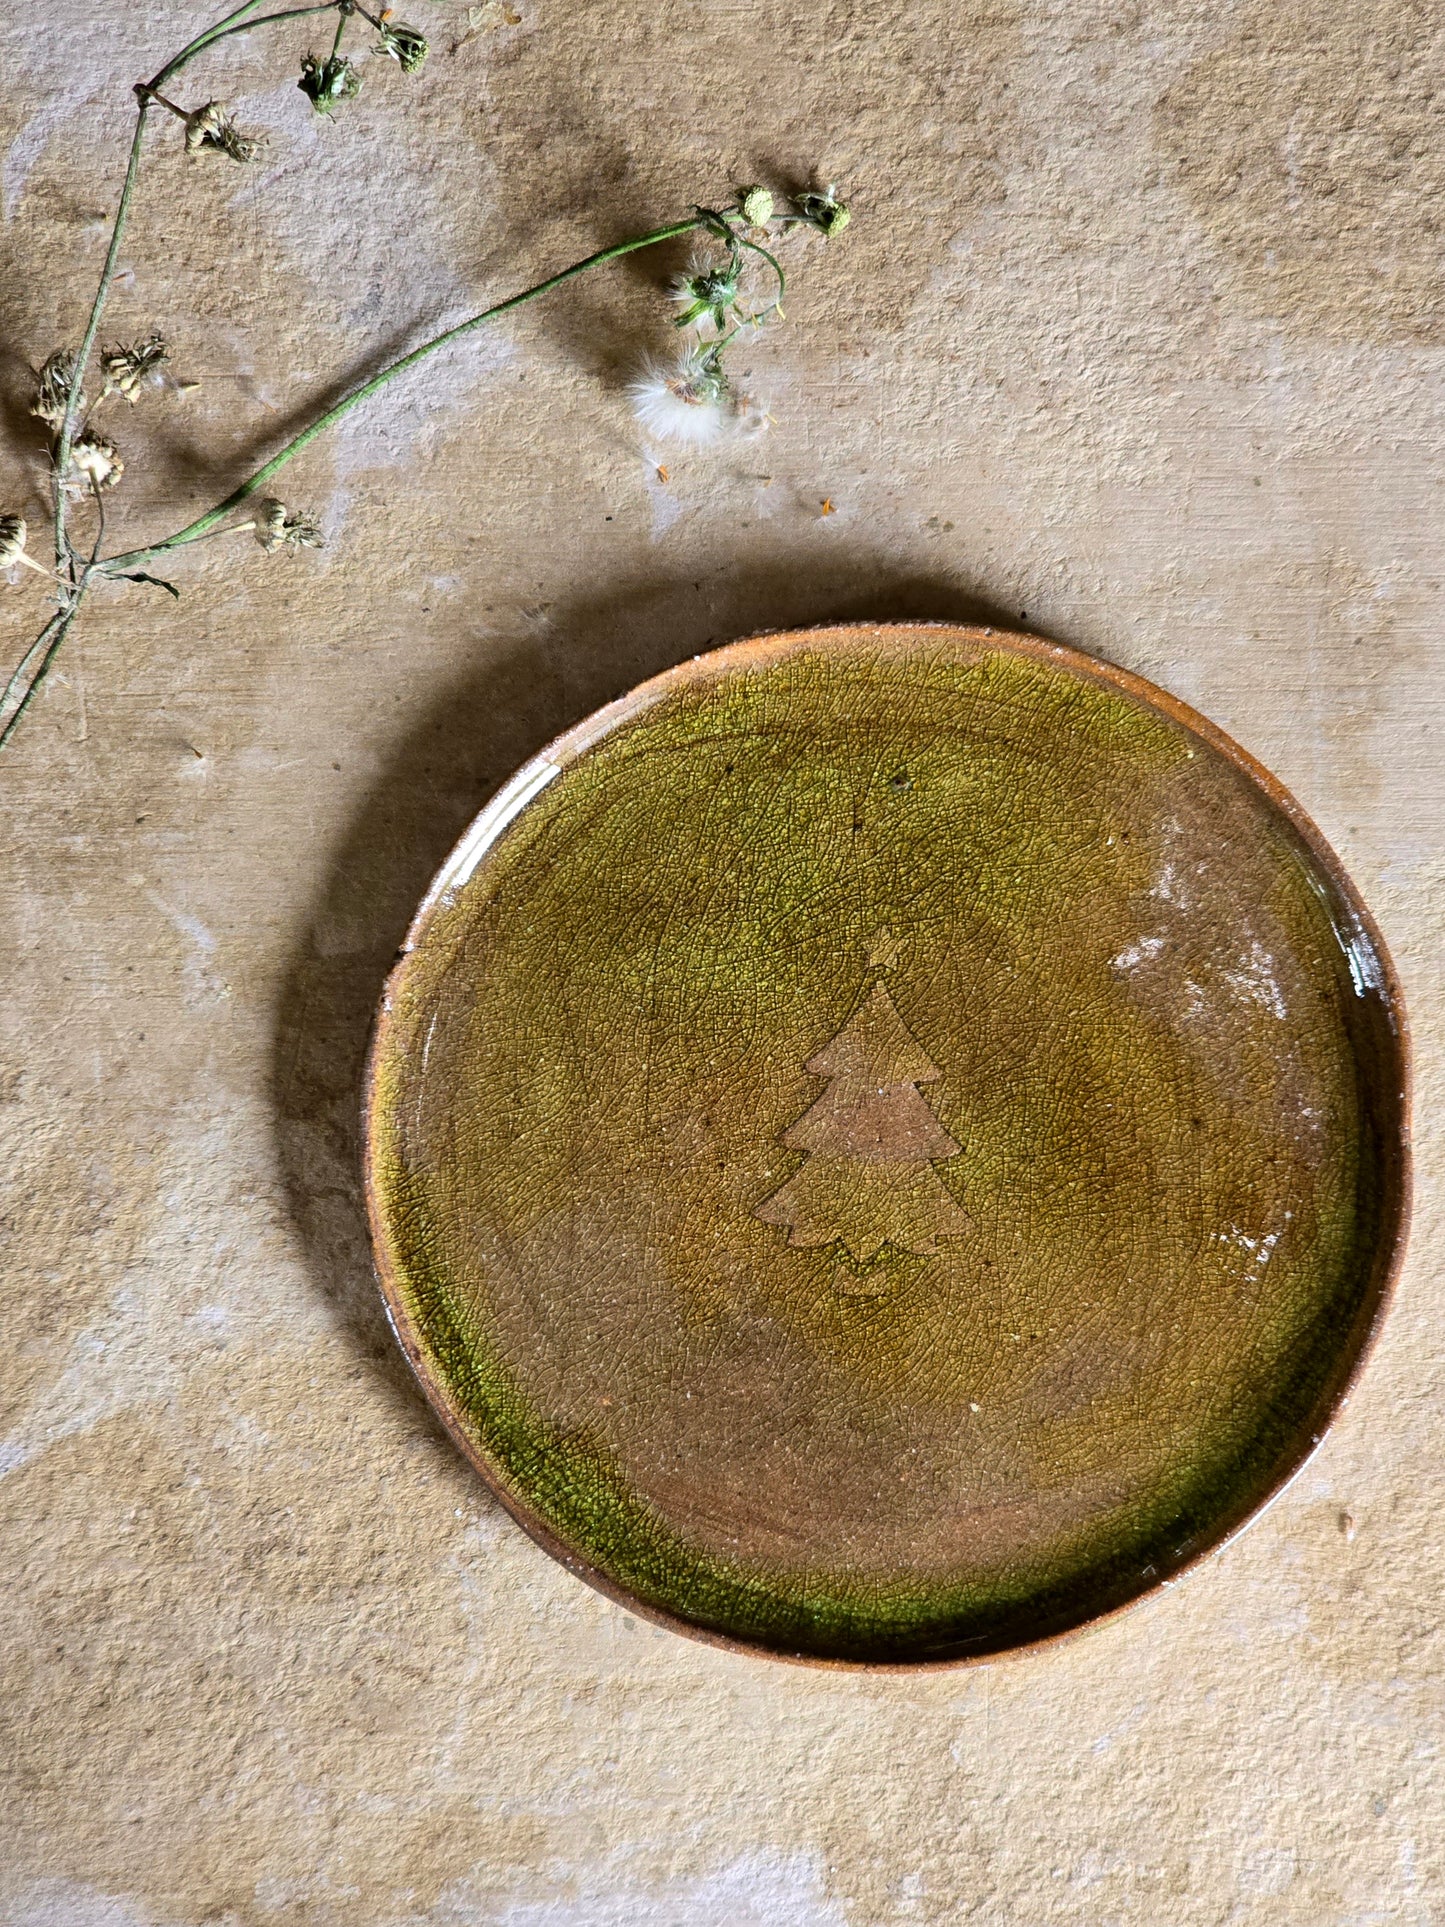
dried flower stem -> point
(92, 328)
(160, 100)
(238, 21)
(206, 524)
(710, 293)
(234, 22)
(46, 646)
(290, 13)
(24, 683)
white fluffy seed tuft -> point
(680, 402)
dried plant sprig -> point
(208, 523)
(13, 531)
(127, 370)
(84, 462)
(34, 666)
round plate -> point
(888, 1142)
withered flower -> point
(127, 369)
(210, 130)
(406, 45)
(278, 528)
(823, 211)
(96, 460)
(12, 544)
(53, 385)
(329, 81)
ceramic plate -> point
(888, 1142)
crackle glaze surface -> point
(853, 1371)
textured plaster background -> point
(1140, 329)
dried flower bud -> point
(127, 369)
(326, 83)
(407, 45)
(209, 129)
(278, 528)
(823, 211)
(53, 386)
(96, 461)
(755, 204)
(12, 545)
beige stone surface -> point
(1139, 329)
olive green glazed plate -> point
(888, 1142)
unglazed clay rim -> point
(473, 846)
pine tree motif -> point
(872, 1142)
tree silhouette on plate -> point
(872, 1142)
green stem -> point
(231, 528)
(233, 22)
(205, 523)
(776, 267)
(47, 646)
(290, 13)
(107, 275)
(99, 525)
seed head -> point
(96, 461)
(329, 81)
(682, 401)
(278, 528)
(53, 386)
(406, 45)
(210, 130)
(126, 370)
(755, 204)
(823, 211)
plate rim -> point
(551, 760)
